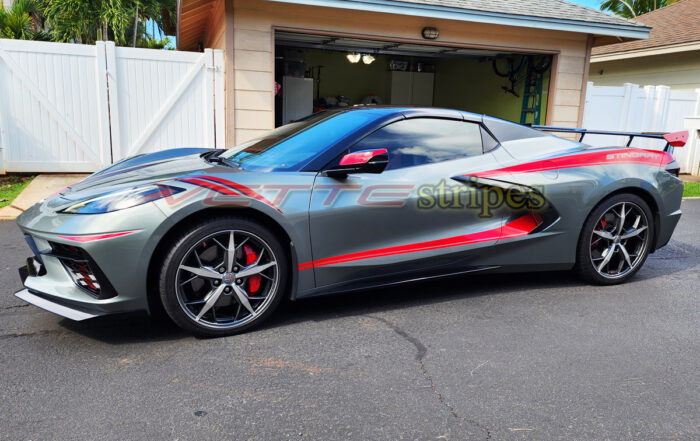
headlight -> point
(122, 199)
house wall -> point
(679, 71)
(250, 102)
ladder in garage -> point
(532, 96)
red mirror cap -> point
(677, 139)
(361, 157)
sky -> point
(590, 3)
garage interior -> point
(317, 72)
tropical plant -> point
(23, 21)
(633, 8)
(143, 23)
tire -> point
(220, 299)
(630, 243)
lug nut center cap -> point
(227, 278)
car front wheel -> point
(223, 276)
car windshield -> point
(282, 149)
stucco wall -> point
(250, 102)
(679, 71)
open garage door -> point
(317, 72)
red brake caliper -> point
(250, 257)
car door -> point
(410, 220)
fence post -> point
(210, 114)
(219, 99)
(102, 103)
(113, 99)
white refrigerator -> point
(297, 98)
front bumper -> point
(51, 306)
(122, 261)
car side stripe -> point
(240, 188)
(607, 157)
(521, 226)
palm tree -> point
(633, 8)
(23, 21)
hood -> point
(134, 171)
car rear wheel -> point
(223, 277)
(615, 240)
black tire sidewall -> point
(584, 266)
(188, 238)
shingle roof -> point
(673, 24)
(558, 9)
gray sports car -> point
(340, 201)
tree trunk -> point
(136, 23)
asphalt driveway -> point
(536, 356)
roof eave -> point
(448, 13)
(647, 52)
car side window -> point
(420, 141)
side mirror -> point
(364, 161)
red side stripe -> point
(96, 237)
(606, 157)
(516, 228)
(216, 187)
(241, 188)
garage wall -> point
(250, 103)
(471, 85)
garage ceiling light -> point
(367, 59)
(353, 57)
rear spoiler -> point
(674, 139)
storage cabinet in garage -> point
(411, 88)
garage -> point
(406, 52)
(316, 72)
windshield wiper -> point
(215, 156)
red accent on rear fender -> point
(603, 157)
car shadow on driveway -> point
(140, 328)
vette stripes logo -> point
(521, 226)
(226, 187)
(606, 157)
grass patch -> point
(691, 189)
(11, 186)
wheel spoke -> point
(625, 253)
(211, 299)
(622, 219)
(204, 271)
(255, 269)
(230, 253)
(604, 234)
(607, 254)
(243, 298)
(633, 233)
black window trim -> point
(336, 159)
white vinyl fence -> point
(636, 109)
(78, 108)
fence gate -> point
(77, 108)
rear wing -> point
(674, 139)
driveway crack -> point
(421, 352)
